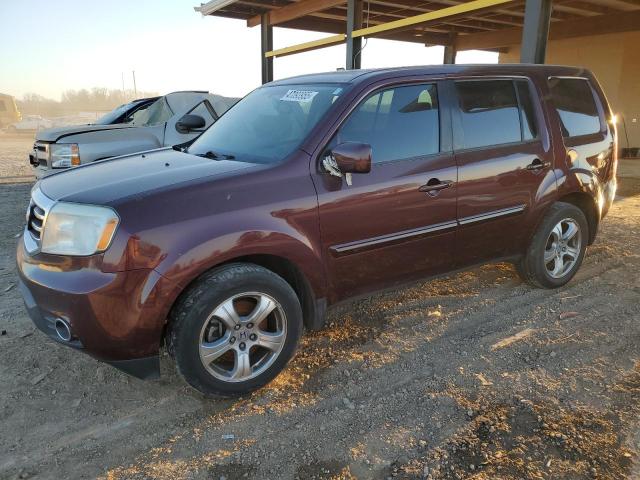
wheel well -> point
(293, 276)
(313, 313)
(588, 206)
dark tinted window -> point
(489, 112)
(527, 115)
(576, 106)
(398, 123)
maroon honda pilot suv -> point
(308, 192)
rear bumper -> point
(116, 317)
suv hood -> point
(107, 181)
(55, 134)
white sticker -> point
(302, 96)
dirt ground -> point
(14, 157)
(472, 376)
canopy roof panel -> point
(493, 27)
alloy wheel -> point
(242, 337)
(563, 246)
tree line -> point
(96, 99)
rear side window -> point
(573, 100)
(398, 123)
(489, 113)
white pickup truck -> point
(173, 119)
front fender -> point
(192, 262)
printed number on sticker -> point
(302, 96)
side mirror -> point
(189, 123)
(347, 158)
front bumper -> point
(115, 317)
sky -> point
(47, 47)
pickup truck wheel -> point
(557, 248)
(235, 330)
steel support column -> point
(354, 45)
(266, 41)
(535, 33)
(450, 50)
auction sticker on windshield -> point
(302, 96)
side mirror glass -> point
(347, 158)
(189, 123)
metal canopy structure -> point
(454, 24)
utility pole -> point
(135, 89)
(124, 94)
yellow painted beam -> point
(307, 46)
(429, 16)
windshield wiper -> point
(215, 156)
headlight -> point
(64, 155)
(75, 229)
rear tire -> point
(234, 330)
(557, 248)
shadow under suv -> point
(308, 192)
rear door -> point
(397, 222)
(504, 157)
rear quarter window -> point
(576, 106)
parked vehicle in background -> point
(30, 123)
(173, 119)
(126, 113)
(309, 192)
(9, 112)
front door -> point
(505, 176)
(397, 222)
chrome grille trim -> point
(39, 207)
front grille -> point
(35, 220)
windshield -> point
(113, 115)
(158, 112)
(269, 123)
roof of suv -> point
(356, 76)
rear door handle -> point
(435, 185)
(537, 164)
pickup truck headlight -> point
(75, 229)
(63, 155)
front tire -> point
(235, 329)
(557, 248)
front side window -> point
(574, 102)
(398, 123)
(489, 113)
(202, 111)
(270, 123)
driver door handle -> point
(537, 164)
(435, 185)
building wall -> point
(615, 60)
